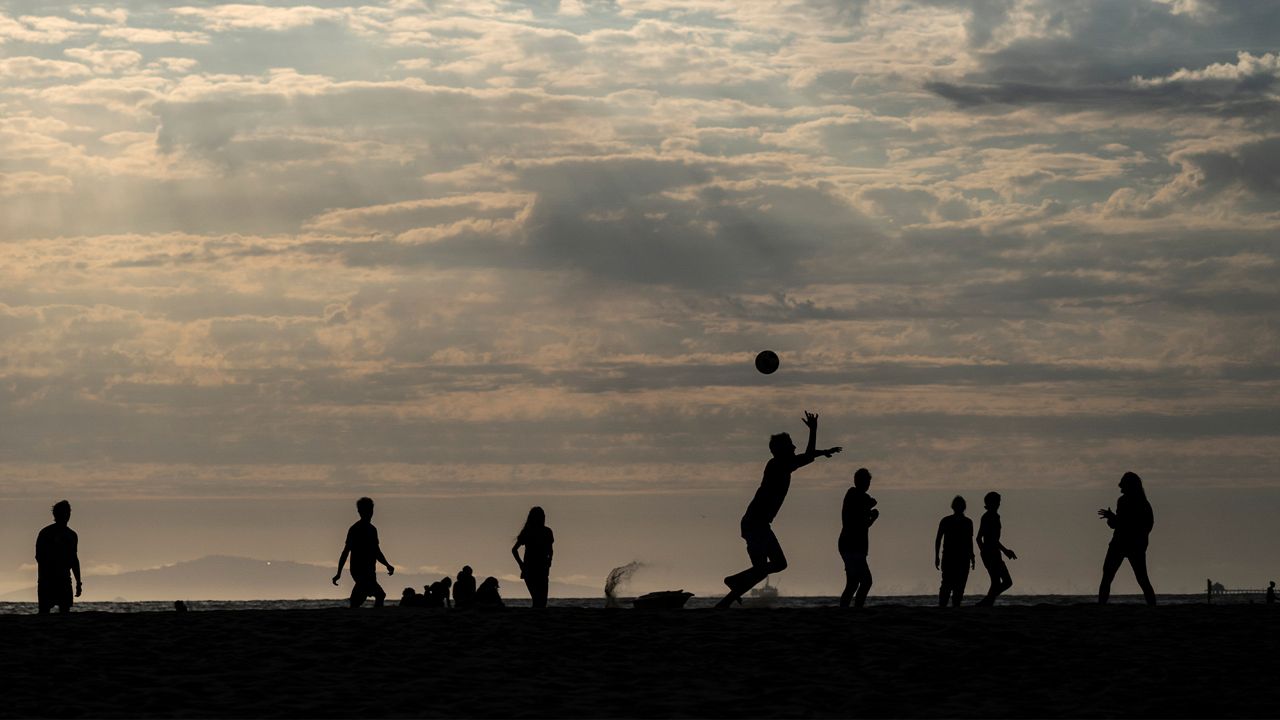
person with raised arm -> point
(362, 546)
(1132, 521)
(762, 545)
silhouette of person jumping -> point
(955, 539)
(857, 515)
(487, 596)
(1132, 522)
(57, 560)
(464, 588)
(362, 546)
(535, 567)
(762, 545)
(990, 549)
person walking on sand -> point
(857, 515)
(955, 542)
(57, 560)
(535, 567)
(362, 546)
(1132, 522)
(762, 545)
(990, 549)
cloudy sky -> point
(478, 249)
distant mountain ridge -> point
(227, 577)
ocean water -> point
(27, 608)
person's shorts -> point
(761, 542)
(54, 593)
(994, 563)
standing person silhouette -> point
(362, 546)
(857, 515)
(1132, 522)
(57, 560)
(535, 567)
(762, 545)
(955, 540)
(990, 549)
(1271, 593)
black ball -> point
(767, 362)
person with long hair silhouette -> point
(57, 560)
(990, 549)
(955, 541)
(857, 515)
(362, 546)
(1132, 521)
(535, 566)
(762, 545)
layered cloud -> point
(486, 247)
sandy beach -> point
(1077, 661)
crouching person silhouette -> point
(362, 547)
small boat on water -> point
(662, 600)
(763, 596)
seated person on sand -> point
(464, 588)
(443, 588)
(763, 547)
(487, 594)
(409, 598)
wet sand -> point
(1075, 661)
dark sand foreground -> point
(1076, 661)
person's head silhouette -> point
(958, 505)
(537, 518)
(862, 479)
(992, 500)
(466, 571)
(62, 512)
(1130, 483)
(364, 506)
(781, 446)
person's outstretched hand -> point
(1010, 554)
(810, 419)
(833, 451)
(391, 570)
(337, 577)
(1106, 514)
